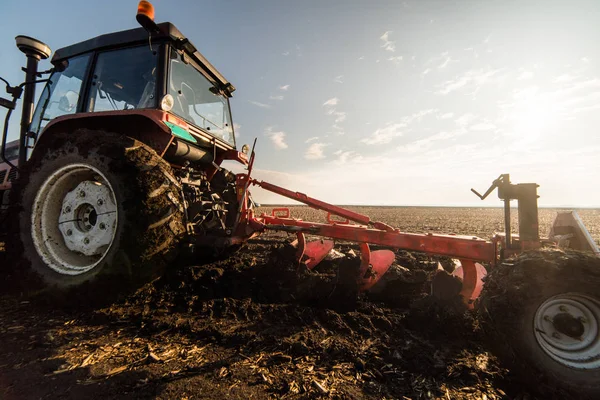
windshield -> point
(197, 100)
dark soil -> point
(252, 326)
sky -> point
(383, 102)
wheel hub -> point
(568, 325)
(88, 218)
(567, 328)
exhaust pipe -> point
(181, 151)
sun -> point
(533, 117)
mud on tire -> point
(519, 309)
(147, 229)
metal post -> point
(507, 222)
(28, 103)
(528, 212)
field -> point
(251, 326)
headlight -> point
(166, 104)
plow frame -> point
(469, 250)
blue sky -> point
(385, 102)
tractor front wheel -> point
(98, 207)
(541, 312)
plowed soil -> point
(253, 326)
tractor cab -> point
(135, 70)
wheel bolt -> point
(582, 320)
(102, 226)
(563, 308)
(100, 202)
(86, 241)
(547, 318)
(69, 232)
(82, 194)
(67, 209)
(556, 335)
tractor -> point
(120, 168)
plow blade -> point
(373, 264)
(312, 253)
(471, 274)
(466, 280)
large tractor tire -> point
(542, 314)
(96, 211)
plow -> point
(119, 168)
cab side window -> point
(60, 96)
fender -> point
(144, 125)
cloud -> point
(261, 105)
(384, 135)
(482, 126)
(338, 79)
(344, 157)
(396, 59)
(564, 78)
(277, 138)
(276, 97)
(311, 139)
(464, 119)
(445, 63)
(284, 87)
(331, 102)
(361, 57)
(447, 115)
(474, 78)
(524, 75)
(426, 71)
(315, 151)
(417, 116)
(387, 43)
(285, 53)
(236, 129)
(440, 61)
(421, 145)
(340, 116)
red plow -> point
(346, 225)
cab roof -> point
(167, 31)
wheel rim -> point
(566, 327)
(74, 219)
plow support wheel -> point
(312, 253)
(372, 266)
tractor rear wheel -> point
(97, 209)
(542, 314)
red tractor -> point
(120, 167)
